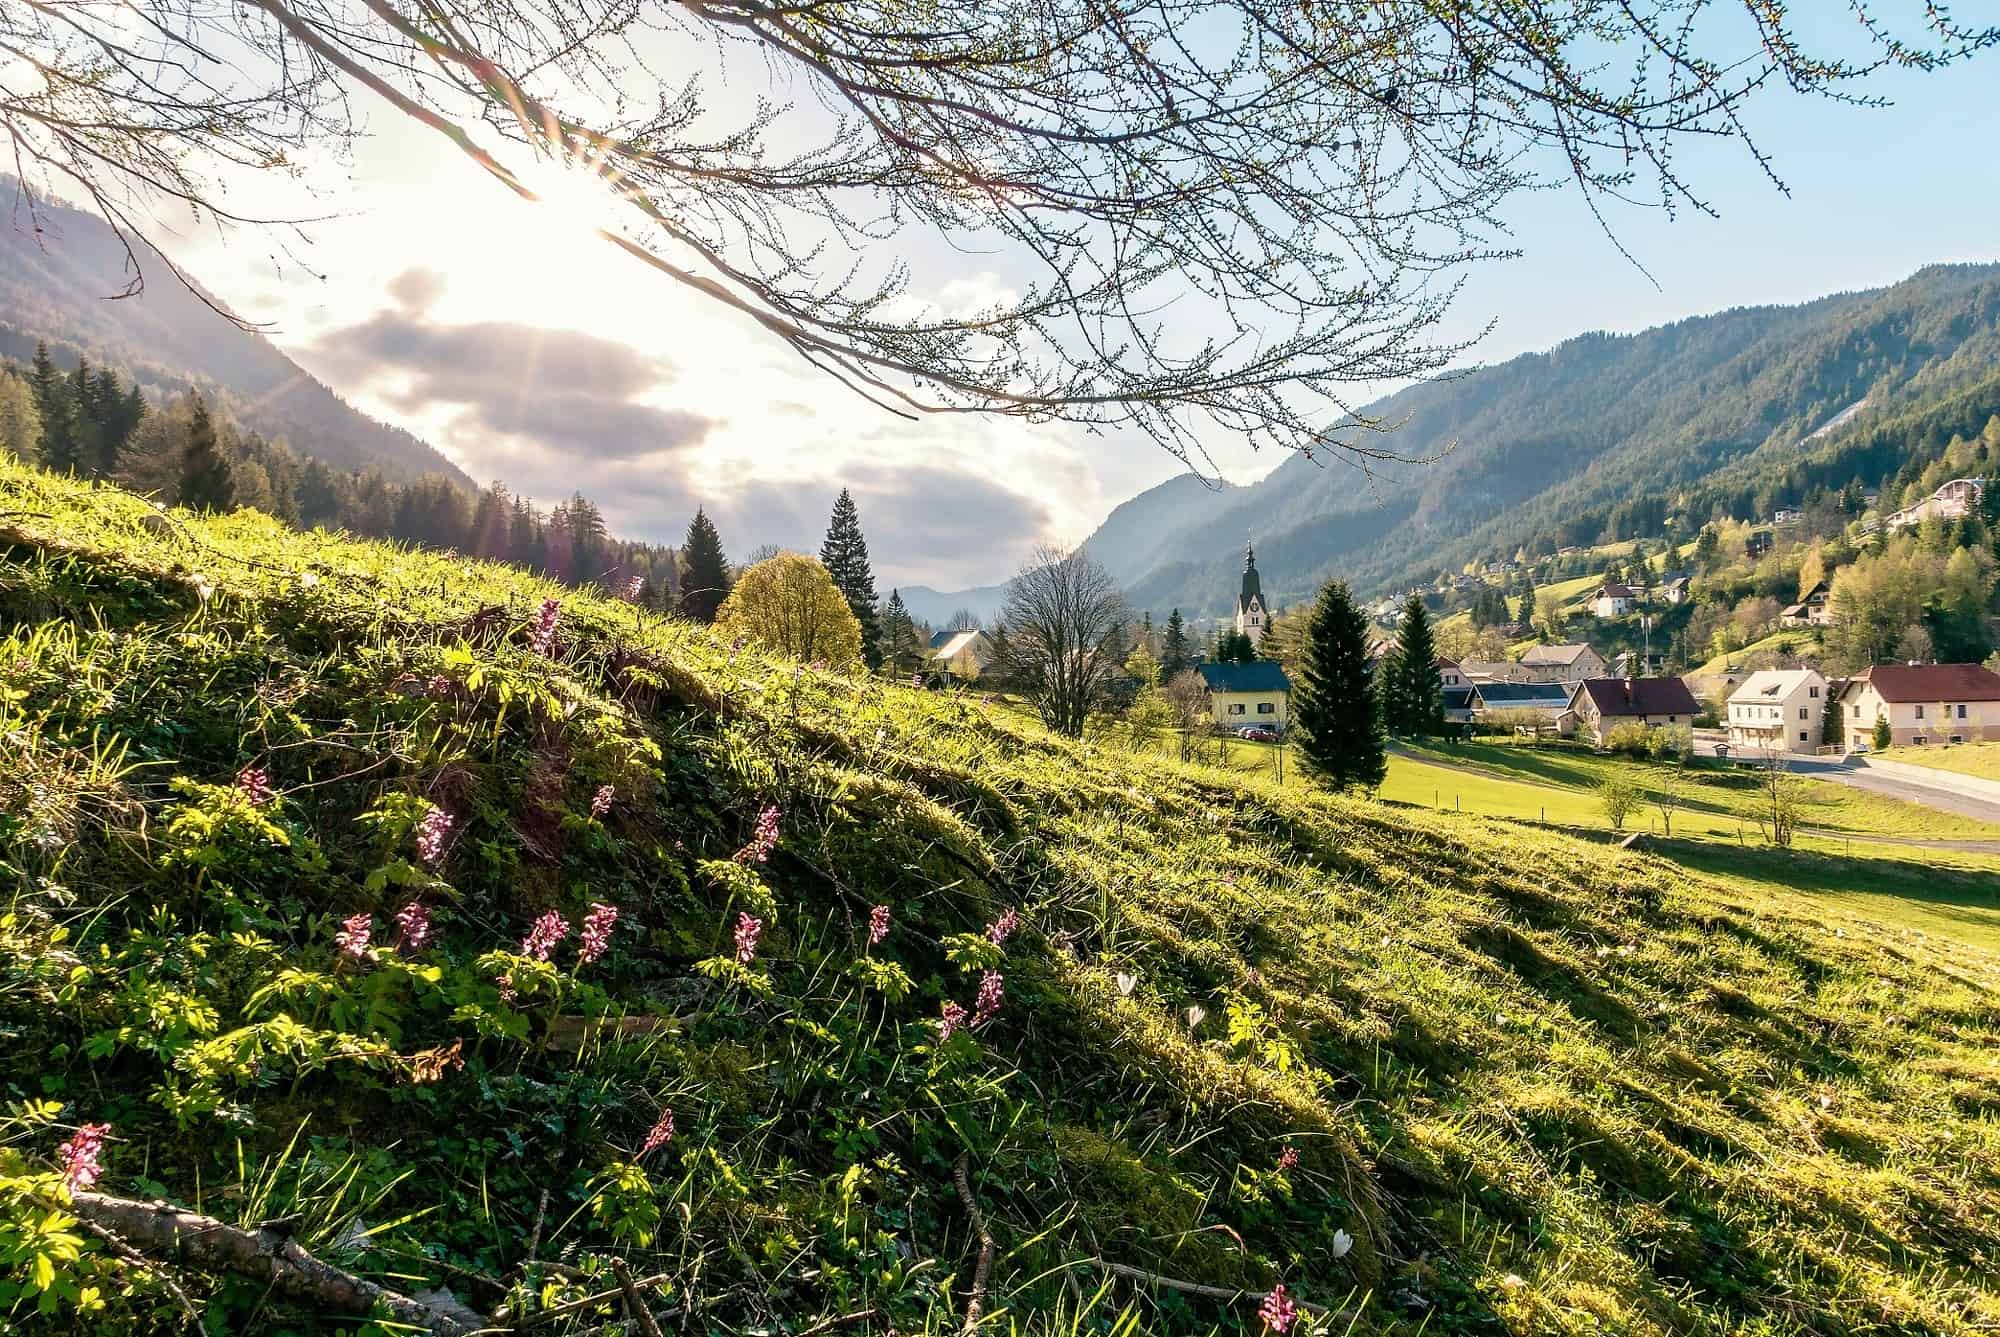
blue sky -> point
(425, 252)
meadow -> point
(1981, 760)
(768, 999)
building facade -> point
(1571, 663)
(1241, 695)
(1251, 617)
(1925, 705)
(1602, 704)
(1778, 710)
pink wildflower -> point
(507, 993)
(878, 925)
(597, 926)
(254, 783)
(634, 588)
(543, 936)
(749, 928)
(438, 687)
(80, 1157)
(950, 1020)
(431, 832)
(662, 1133)
(1288, 1159)
(600, 802)
(413, 926)
(991, 995)
(1278, 1311)
(352, 940)
(543, 639)
(916, 680)
(1003, 928)
(764, 840)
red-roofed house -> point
(1924, 703)
(1602, 704)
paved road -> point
(1944, 800)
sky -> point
(526, 349)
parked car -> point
(1257, 733)
(1859, 749)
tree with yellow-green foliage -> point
(20, 419)
(789, 604)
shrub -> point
(1619, 798)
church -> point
(1250, 613)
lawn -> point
(1977, 759)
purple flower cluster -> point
(355, 930)
(749, 929)
(544, 934)
(1003, 928)
(81, 1157)
(1278, 1311)
(413, 926)
(597, 926)
(438, 688)
(543, 639)
(431, 832)
(1288, 1159)
(764, 840)
(600, 802)
(949, 1020)
(991, 995)
(661, 1133)
(878, 925)
(634, 588)
(254, 783)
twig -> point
(541, 1214)
(838, 1321)
(1231, 1293)
(635, 1304)
(116, 1243)
(977, 1300)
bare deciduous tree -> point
(1187, 694)
(1062, 617)
(1300, 183)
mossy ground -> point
(1543, 1085)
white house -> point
(1924, 703)
(1575, 662)
(962, 654)
(1778, 710)
(1950, 502)
(1613, 600)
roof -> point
(1555, 654)
(1930, 682)
(1774, 684)
(1501, 694)
(1609, 590)
(1261, 675)
(1639, 696)
(1458, 698)
(1253, 588)
(952, 644)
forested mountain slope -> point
(1593, 440)
(61, 285)
(1428, 1074)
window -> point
(1961, 713)
(1267, 707)
(1958, 738)
(1802, 713)
(1813, 692)
(1920, 712)
(1802, 735)
(1236, 708)
(1857, 710)
(1670, 719)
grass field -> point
(1977, 759)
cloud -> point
(416, 290)
(575, 391)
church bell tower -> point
(1250, 600)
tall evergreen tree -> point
(1411, 695)
(844, 554)
(86, 420)
(1175, 653)
(57, 446)
(1334, 709)
(901, 646)
(1525, 609)
(705, 583)
(206, 481)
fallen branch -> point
(975, 1302)
(1230, 1293)
(838, 1321)
(160, 1229)
(635, 1304)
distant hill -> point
(937, 606)
(61, 285)
(1597, 439)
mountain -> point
(61, 284)
(937, 606)
(1597, 439)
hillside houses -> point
(1613, 600)
(1778, 710)
(1602, 704)
(1923, 704)
(1813, 610)
(1571, 663)
(1952, 501)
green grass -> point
(1976, 759)
(1544, 1086)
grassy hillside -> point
(1981, 760)
(1432, 1074)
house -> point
(1924, 703)
(1777, 710)
(1549, 701)
(1459, 705)
(1626, 664)
(961, 654)
(1491, 670)
(1602, 704)
(1811, 611)
(1758, 542)
(1785, 519)
(1253, 693)
(1674, 590)
(1952, 501)
(1562, 663)
(1613, 600)
(1448, 674)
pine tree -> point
(86, 425)
(705, 582)
(206, 481)
(844, 554)
(57, 446)
(1412, 697)
(1334, 710)
(901, 647)
(1526, 607)
(1175, 653)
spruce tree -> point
(844, 554)
(901, 647)
(1175, 654)
(706, 582)
(1333, 710)
(57, 446)
(1527, 605)
(86, 423)
(206, 481)
(1412, 698)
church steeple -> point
(1250, 599)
